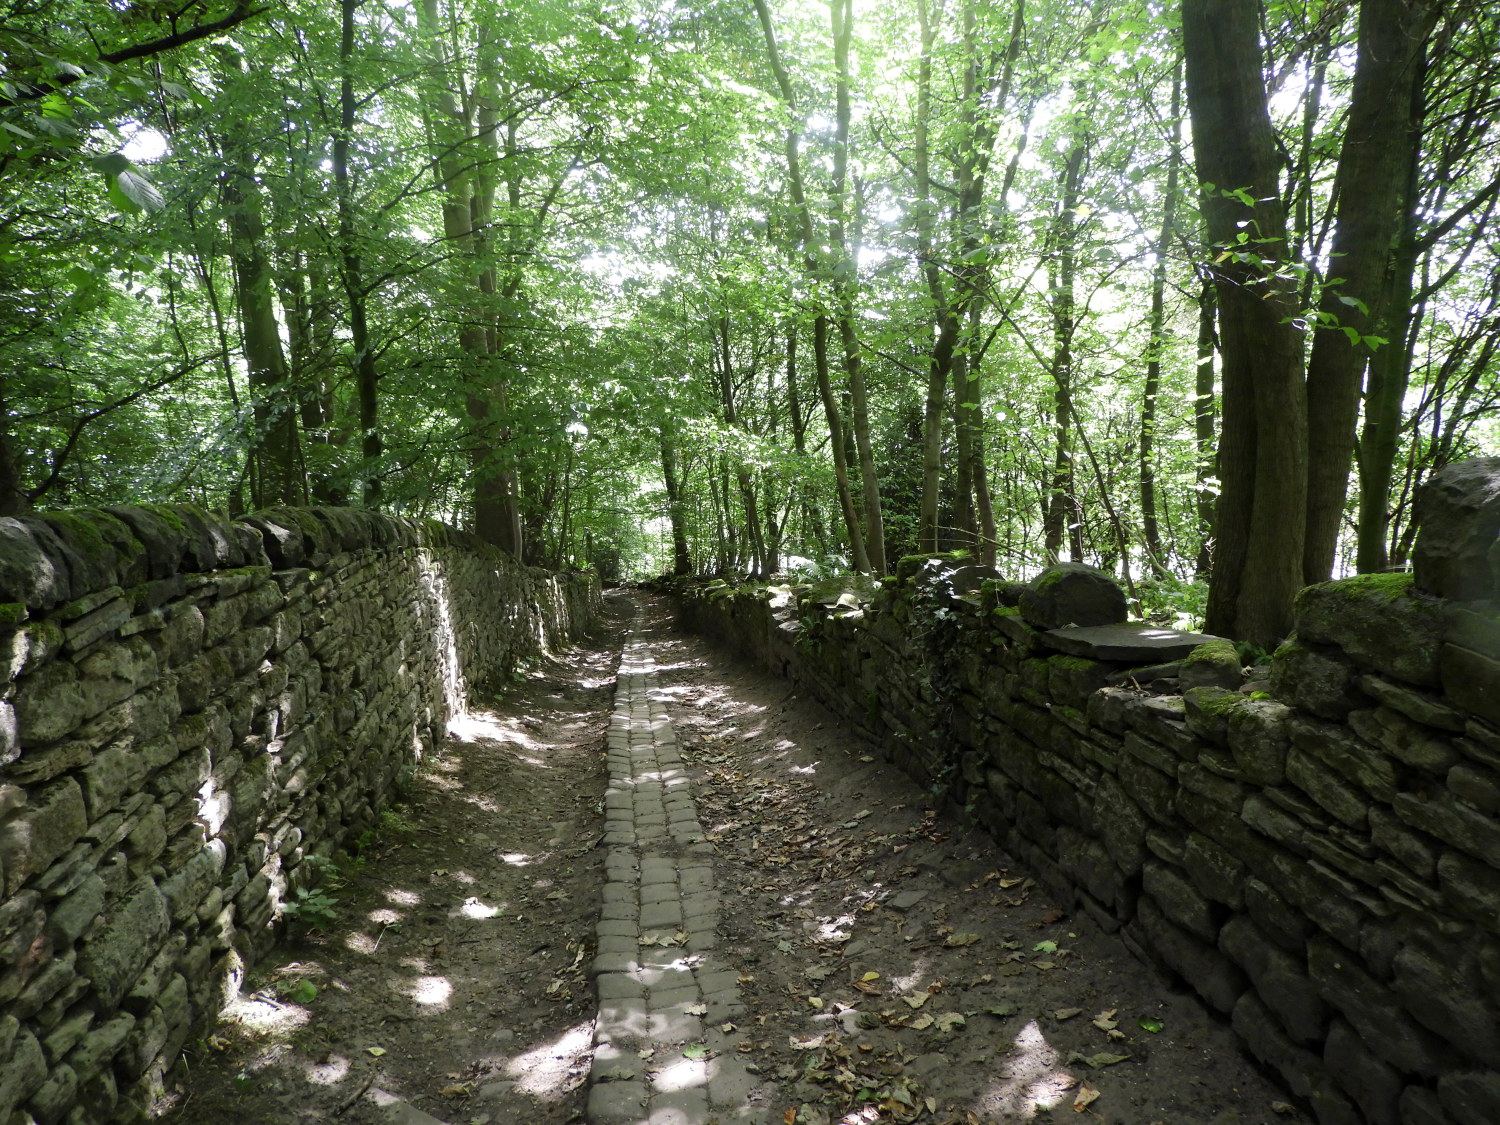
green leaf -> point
(1151, 1024)
(305, 992)
(695, 1051)
(139, 190)
(112, 164)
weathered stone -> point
(1471, 681)
(1440, 814)
(1472, 888)
(1275, 917)
(1470, 1098)
(1404, 740)
(1374, 1085)
(1417, 706)
(1415, 850)
(1315, 679)
(1212, 975)
(1121, 824)
(1326, 788)
(53, 819)
(1300, 1069)
(1458, 512)
(29, 574)
(1216, 873)
(1279, 978)
(1352, 758)
(1207, 711)
(1439, 984)
(1476, 786)
(1258, 739)
(130, 937)
(23, 1068)
(1124, 643)
(1072, 594)
(1473, 625)
(1213, 663)
(1374, 1010)
(70, 919)
(1379, 620)
(1150, 789)
(1179, 900)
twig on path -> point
(343, 1106)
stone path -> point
(665, 1038)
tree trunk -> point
(1373, 187)
(859, 556)
(366, 378)
(1062, 515)
(1257, 566)
(1156, 343)
(845, 273)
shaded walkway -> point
(659, 1057)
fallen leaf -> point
(695, 1051)
(870, 977)
(932, 1105)
(1118, 1036)
(1087, 1095)
(1105, 1021)
(1151, 1024)
(1004, 1011)
(1066, 1013)
(1052, 916)
(789, 1117)
(811, 1044)
(1283, 1107)
(375, 1051)
(1099, 1061)
(950, 1021)
(922, 1023)
(916, 999)
(961, 939)
(814, 1001)
(696, 1009)
(726, 1028)
(1048, 965)
(1044, 947)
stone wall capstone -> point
(195, 707)
(1316, 854)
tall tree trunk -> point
(859, 555)
(1257, 566)
(1062, 515)
(1373, 187)
(682, 559)
(1206, 461)
(274, 477)
(1156, 343)
(366, 378)
(845, 273)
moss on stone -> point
(81, 526)
(1387, 586)
(1072, 663)
(12, 613)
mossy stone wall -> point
(1318, 857)
(194, 707)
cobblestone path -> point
(667, 1002)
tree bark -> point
(1262, 510)
(1372, 185)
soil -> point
(896, 965)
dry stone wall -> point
(194, 710)
(1316, 855)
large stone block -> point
(1458, 516)
(130, 937)
(1379, 620)
(1072, 594)
(52, 821)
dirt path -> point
(891, 968)
(451, 974)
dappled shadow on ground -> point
(900, 968)
(450, 971)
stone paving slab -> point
(661, 1056)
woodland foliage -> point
(1188, 291)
